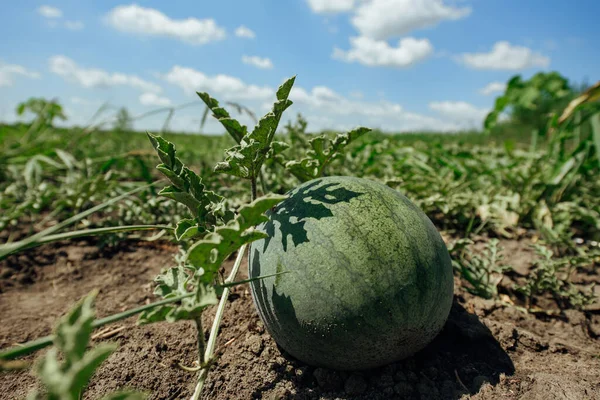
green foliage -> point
(246, 159)
(45, 111)
(322, 152)
(207, 208)
(532, 101)
(553, 275)
(198, 269)
(66, 377)
(233, 127)
(483, 271)
(467, 183)
(123, 121)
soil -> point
(487, 350)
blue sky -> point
(398, 65)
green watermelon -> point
(368, 278)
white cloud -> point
(382, 19)
(463, 113)
(377, 53)
(326, 99)
(505, 56)
(53, 14)
(151, 22)
(327, 109)
(331, 6)
(324, 108)
(244, 32)
(258, 62)
(74, 25)
(152, 99)
(94, 77)
(8, 73)
(49, 12)
(230, 87)
(493, 87)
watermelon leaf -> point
(246, 158)
(66, 377)
(323, 151)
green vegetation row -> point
(58, 184)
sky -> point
(394, 65)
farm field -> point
(81, 211)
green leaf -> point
(166, 153)
(187, 228)
(84, 369)
(246, 159)
(67, 159)
(322, 152)
(206, 207)
(208, 254)
(175, 282)
(233, 127)
(74, 330)
(67, 379)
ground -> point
(487, 350)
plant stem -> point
(40, 343)
(17, 246)
(214, 330)
(201, 341)
(253, 185)
(263, 185)
(10, 248)
(30, 347)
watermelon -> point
(364, 279)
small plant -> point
(123, 121)
(45, 111)
(483, 271)
(553, 275)
(65, 370)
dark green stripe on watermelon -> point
(370, 279)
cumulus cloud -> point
(258, 62)
(493, 87)
(331, 6)
(8, 73)
(328, 109)
(244, 32)
(53, 15)
(191, 80)
(152, 99)
(148, 21)
(379, 53)
(324, 98)
(505, 56)
(465, 114)
(94, 77)
(49, 12)
(382, 19)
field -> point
(81, 212)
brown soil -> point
(487, 350)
